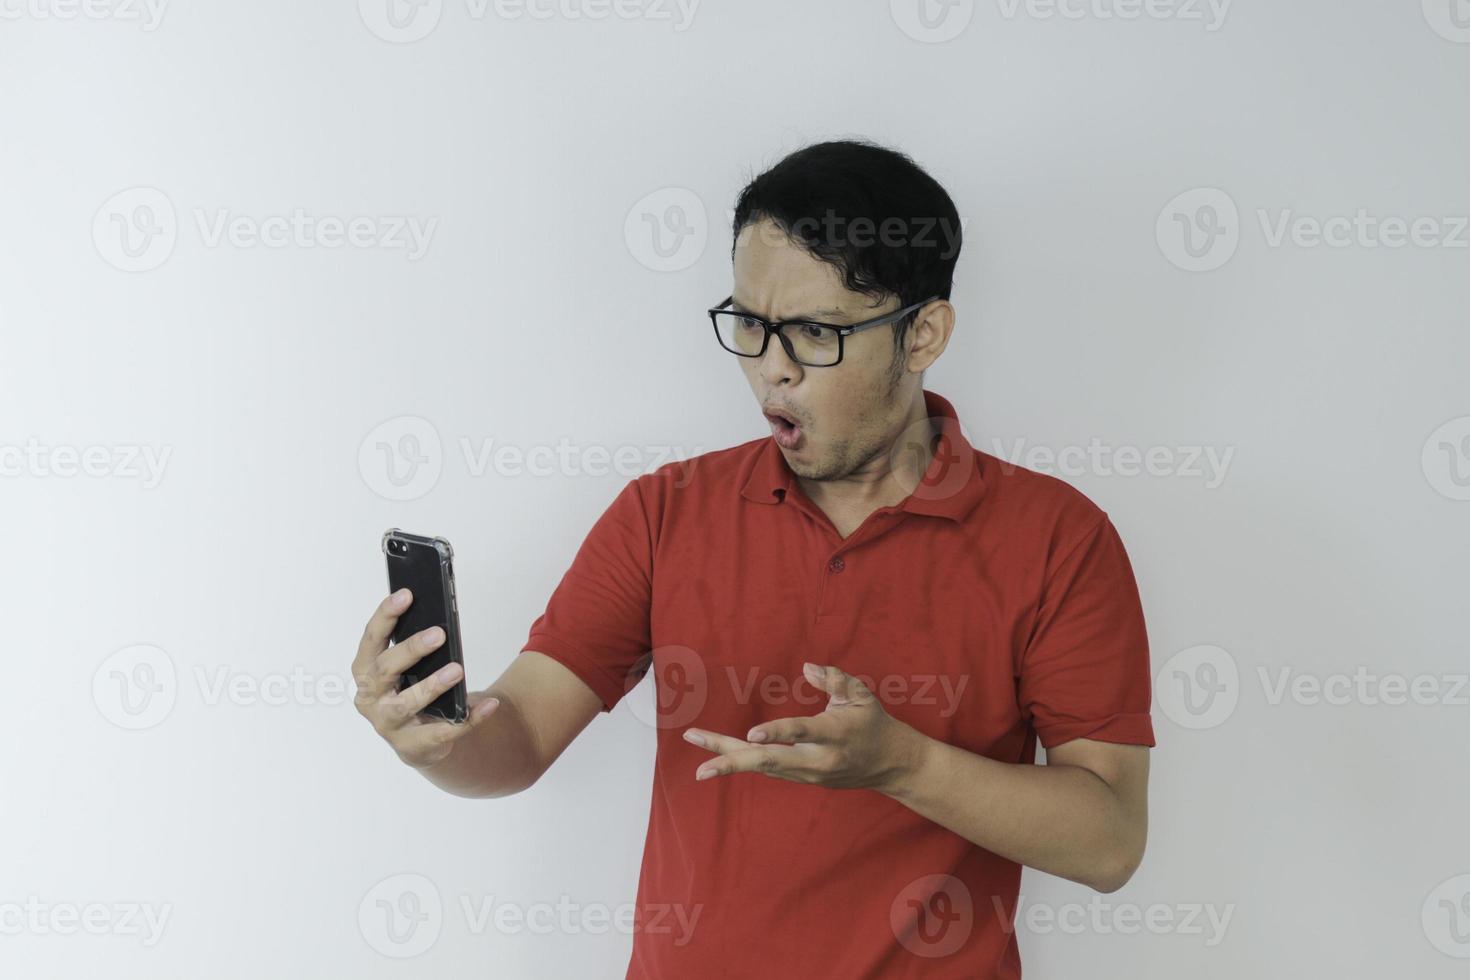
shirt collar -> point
(951, 486)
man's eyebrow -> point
(735, 304)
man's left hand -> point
(853, 744)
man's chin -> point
(804, 466)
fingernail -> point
(703, 774)
(694, 737)
(400, 597)
(755, 735)
(810, 668)
(434, 636)
(450, 672)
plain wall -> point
(1325, 547)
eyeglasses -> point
(812, 343)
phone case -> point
(425, 566)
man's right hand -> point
(420, 742)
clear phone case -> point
(425, 566)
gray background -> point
(1325, 833)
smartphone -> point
(425, 566)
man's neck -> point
(885, 481)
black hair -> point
(869, 211)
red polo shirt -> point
(994, 606)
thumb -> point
(841, 687)
(481, 706)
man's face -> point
(848, 413)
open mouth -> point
(785, 429)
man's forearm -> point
(499, 758)
(1064, 820)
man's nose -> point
(775, 364)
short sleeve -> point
(596, 622)
(1085, 671)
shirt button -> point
(836, 564)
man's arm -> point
(1082, 816)
(517, 727)
(543, 707)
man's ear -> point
(931, 331)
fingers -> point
(714, 741)
(735, 755)
(399, 709)
(797, 763)
(772, 760)
(391, 663)
(379, 628)
(789, 730)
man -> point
(859, 629)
